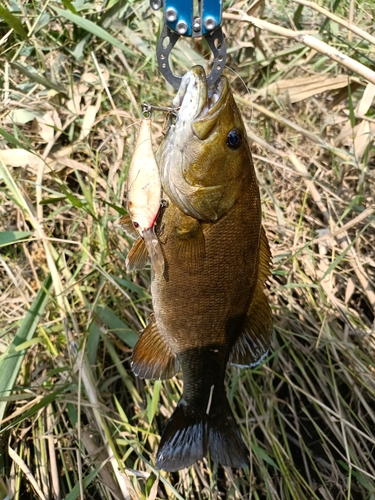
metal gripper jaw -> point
(181, 19)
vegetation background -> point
(75, 422)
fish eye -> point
(136, 225)
(234, 138)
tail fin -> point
(190, 434)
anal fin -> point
(254, 341)
(137, 257)
(152, 357)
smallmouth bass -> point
(209, 304)
(143, 202)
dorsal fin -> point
(253, 343)
(137, 257)
(152, 357)
(265, 257)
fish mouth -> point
(197, 103)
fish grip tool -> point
(180, 19)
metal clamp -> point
(168, 40)
(181, 20)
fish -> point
(209, 306)
(143, 203)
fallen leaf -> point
(364, 136)
(154, 490)
(46, 126)
(366, 101)
(89, 119)
(56, 119)
(79, 90)
(20, 158)
(94, 79)
(20, 116)
(298, 89)
(350, 289)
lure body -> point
(144, 195)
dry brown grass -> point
(77, 422)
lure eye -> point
(234, 138)
(136, 225)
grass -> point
(75, 422)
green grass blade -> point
(74, 494)
(12, 359)
(12, 140)
(68, 5)
(114, 323)
(35, 77)
(92, 28)
(10, 237)
(13, 22)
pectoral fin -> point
(137, 257)
(152, 357)
(126, 225)
(253, 343)
(190, 243)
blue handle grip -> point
(183, 10)
(211, 15)
(180, 17)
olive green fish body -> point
(199, 295)
(209, 305)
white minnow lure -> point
(144, 194)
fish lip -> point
(215, 99)
(194, 88)
(204, 101)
